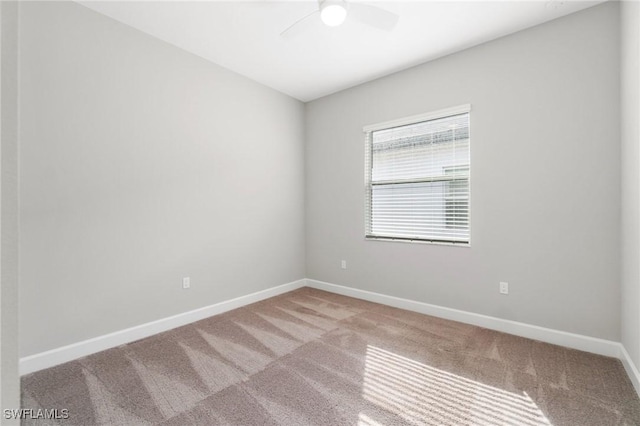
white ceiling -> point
(245, 36)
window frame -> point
(414, 119)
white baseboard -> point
(556, 337)
(74, 351)
(67, 353)
(630, 367)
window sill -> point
(406, 240)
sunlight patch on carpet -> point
(421, 394)
(364, 420)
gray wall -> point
(630, 101)
(186, 169)
(545, 179)
(10, 384)
(142, 164)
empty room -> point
(320, 213)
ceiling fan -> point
(334, 12)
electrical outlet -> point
(186, 282)
(344, 264)
(504, 288)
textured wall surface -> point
(142, 164)
(10, 388)
(545, 179)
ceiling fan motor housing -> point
(333, 12)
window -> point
(417, 173)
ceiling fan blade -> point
(299, 26)
(373, 15)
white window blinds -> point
(417, 178)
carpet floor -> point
(310, 357)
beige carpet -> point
(314, 358)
